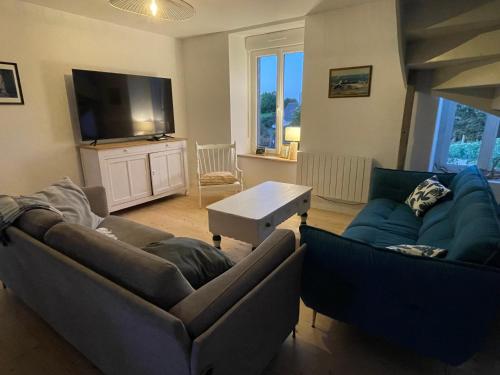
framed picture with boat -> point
(350, 82)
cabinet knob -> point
(125, 150)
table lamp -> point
(292, 135)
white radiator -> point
(345, 178)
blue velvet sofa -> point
(441, 308)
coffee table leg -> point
(303, 219)
(217, 240)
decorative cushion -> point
(68, 198)
(217, 178)
(425, 195)
(198, 261)
(419, 250)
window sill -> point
(267, 157)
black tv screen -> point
(112, 105)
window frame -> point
(444, 128)
(279, 52)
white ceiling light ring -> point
(171, 10)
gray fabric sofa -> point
(129, 312)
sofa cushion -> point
(397, 184)
(154, 279)
(384, 222)
(68, 198)
(468, 225)
(198, 261)
(217, 178)
(37, 222)
(133, 233)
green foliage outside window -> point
(469, 124)
(267, 118)
(468, 129)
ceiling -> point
(211, 15)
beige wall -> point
(359, 35)
(206, 67)
(37, 140)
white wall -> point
(257, 171)
(238, 78)
(359, 35)
(206, 66)
(421, 142)
(37, 139)
(421, 137)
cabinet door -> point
(167, 170)
(129, 178)
(159, 172)
(175, 162)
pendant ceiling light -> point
(172, 10)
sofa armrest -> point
(397, 184)
(97, 198)
(438, 307)
(202, 308)
(246, 338)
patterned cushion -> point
(425, 195)
(217, 178)
(419, 250)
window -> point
(277, 94)
(467, 136)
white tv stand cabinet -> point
(136, 172)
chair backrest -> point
(216, 158)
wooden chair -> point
(218, 169)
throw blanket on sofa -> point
(11, 208)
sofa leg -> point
(3, 285)
(294, 332)
(314, 319)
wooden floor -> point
(29, 346)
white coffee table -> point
(252, 215)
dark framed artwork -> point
(350, 82)
(10, 84)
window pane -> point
(495, 160)
(292, 89)
(267, 71)
(468, 129)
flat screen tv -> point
(112, 105)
